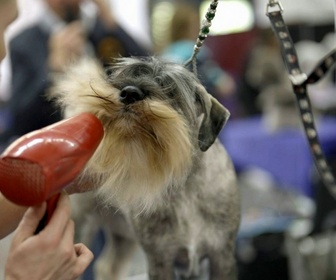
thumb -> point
(29, 223)
(84, 258)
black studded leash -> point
(299, 82)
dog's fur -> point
(160, 164)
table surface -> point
(284, 154)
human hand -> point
(105, 13)
(66, 45)
(100, 3)
(51, 254)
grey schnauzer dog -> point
(160, 165)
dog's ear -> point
(215, 117)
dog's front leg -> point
(115, 258)
(159, 268)
(223, 266)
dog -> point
(161, 176)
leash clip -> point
(273, 6)
(298, 79)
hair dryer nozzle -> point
(41, 163)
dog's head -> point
(157, 117)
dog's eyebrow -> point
(142, 70)
(137, 70)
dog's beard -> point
(142, 156)
(146, 148)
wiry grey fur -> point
(190, 215)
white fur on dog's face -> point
(146, 147)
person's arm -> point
(51, 254)
(65, 46)
(10, 216)
(105, 13)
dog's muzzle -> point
(131, 94)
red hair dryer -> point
(37, 166)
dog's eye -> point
(171, 94)
(159, 81)
(108, 71)
(166, 86)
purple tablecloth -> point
(285, 155)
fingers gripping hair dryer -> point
(37, 166)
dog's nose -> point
(131, 94)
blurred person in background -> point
(263, 68)
(183, 32)
(64, 33)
